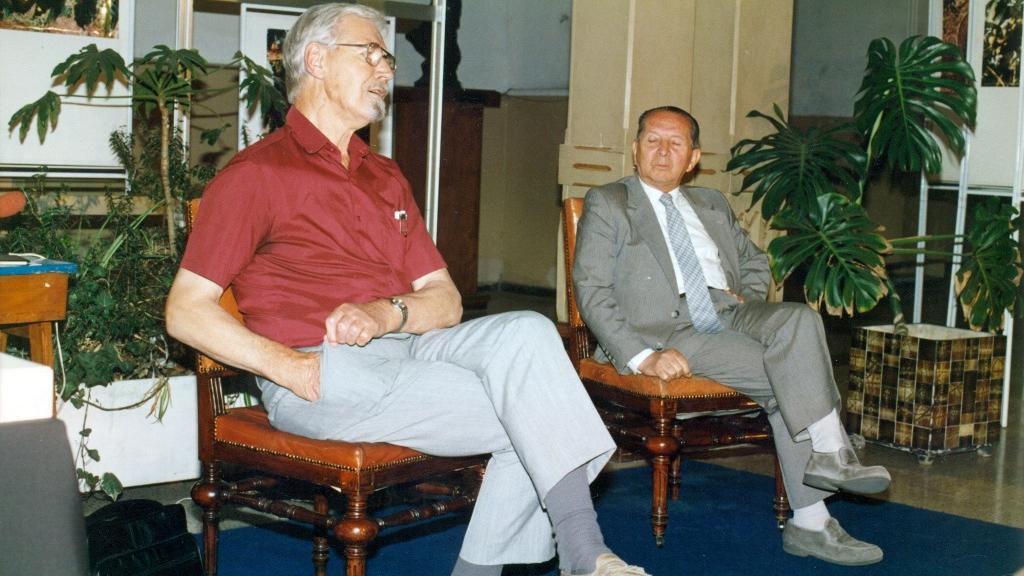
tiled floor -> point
(989, 488)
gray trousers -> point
(500, 384)
(775, 353)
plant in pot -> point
(115, 326)
(811, 184)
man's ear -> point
(313, 58)
(694, 159)
(634, 153)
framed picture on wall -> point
(33, 44)
(262, 30)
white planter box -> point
(26, 389)
(137, 447)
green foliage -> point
(793, 167)
(987, 283)
(259, 87)
(844, 248)
(46, 110)
(907, 99)
(89, 65)
(906, 93)
(115, 324)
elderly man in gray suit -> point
(671, 286)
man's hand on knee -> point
(302, 376)
(357, 324)
(667, 364)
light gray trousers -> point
(775, 353)
(500, 384)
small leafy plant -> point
(163, 82)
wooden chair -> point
(663, 420)
(243, 436)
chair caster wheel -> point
(985, 450)
(925, 459)
(857, 441)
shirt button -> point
(675, 313)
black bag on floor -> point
(141, 538)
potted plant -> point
(909, 386)
(115, 326)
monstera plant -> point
(811, 185)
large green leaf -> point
(46, 110)
(990, 273)
(907, 93)
(258, 87)
(842, 249)
(183, 62)
(793, 167)
(89, 65)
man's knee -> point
(800, 313)
(528, 324)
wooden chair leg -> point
(356, 529)
(675, 479)
(208, 494)
(662, 447)
(321, 548)
(781, 501)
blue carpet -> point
(723, 525)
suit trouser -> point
(775, 353)
(501, 384)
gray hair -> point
(318, 25)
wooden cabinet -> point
(458, 211)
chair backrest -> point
(579, 335)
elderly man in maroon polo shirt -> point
(352, 321)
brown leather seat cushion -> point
(250, 428)
(653, 387)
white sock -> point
(827, 434)
(813, 517)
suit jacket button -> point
(675, 313)
(659, 347)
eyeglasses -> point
(373, 53)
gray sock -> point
(574, 520)
(463, 568)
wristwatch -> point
(401, 307)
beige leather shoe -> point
(841, 470)
(832, 544)
(609, 564)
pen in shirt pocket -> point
(402, 217)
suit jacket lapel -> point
(644, 221)
(717, 226)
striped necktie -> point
(698, 300)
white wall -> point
(830, 45)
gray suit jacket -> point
(625, 286)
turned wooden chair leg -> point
(781, 501)
(675, 479)
(321, 547)
(356, 529)
(662, 447)
(208, 494)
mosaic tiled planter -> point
(933, 391)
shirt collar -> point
(654, 195)
(312, 140)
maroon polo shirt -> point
(295, 234)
